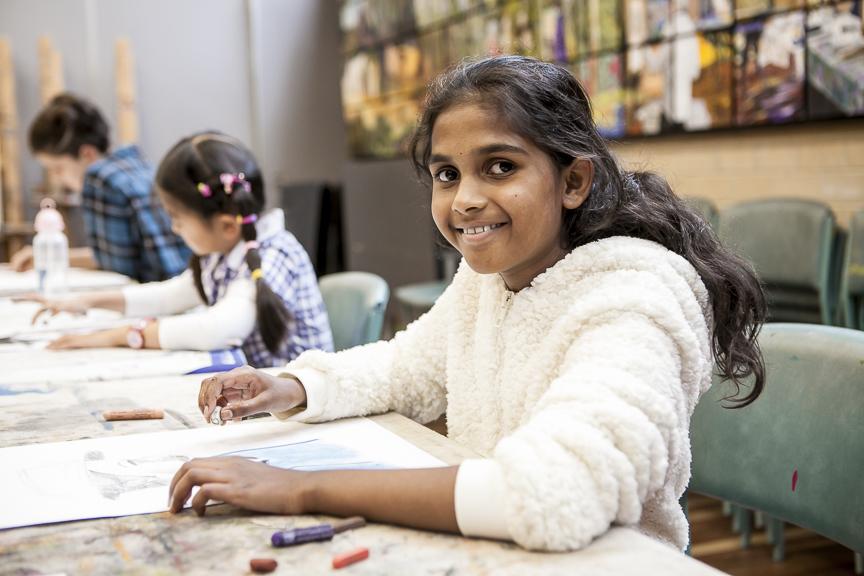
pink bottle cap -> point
(48, 219)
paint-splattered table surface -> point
(226, 539)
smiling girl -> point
(569, 351)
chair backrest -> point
(791, 245)
(705, 207)
(356, 302)
(797, 452)
(853, 274)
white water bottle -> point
(50, 249)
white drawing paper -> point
(125, 475)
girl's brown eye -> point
(446, 175)
(501, 167)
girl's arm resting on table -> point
(111, 338)
(421, 498)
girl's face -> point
(498, 198)
(218, 233)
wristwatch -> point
(135, 335)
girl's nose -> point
(469, 197)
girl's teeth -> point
(481, 229)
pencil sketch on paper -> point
(114, 477)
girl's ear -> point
(228, 226)
(578, 178)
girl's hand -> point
(241, 482)
(52, 307)
(22, 260)
(248, 392)
(102, 339)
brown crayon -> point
(135, 414)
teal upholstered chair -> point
(791, 244)
(796, 453)
(852, 290)
(414, 300)
(356, 302)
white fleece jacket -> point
(578, 390)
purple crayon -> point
(301, 535)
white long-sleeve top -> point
(225, 324)
(230, 318)
(577, 390)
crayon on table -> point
(348, 558)
(135, 414)
(263, 565)
(302, 535)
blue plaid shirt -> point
(127, 228)
(289, 273)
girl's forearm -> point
(108, 300)
(422, 498)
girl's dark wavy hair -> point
(201, 159)
(544, 103)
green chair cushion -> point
(797, 453)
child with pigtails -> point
(254, 277)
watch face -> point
(135, 338)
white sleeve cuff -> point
(315, 384)
(480, 500)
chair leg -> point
(777, 537)
(742, 522)
(758, 520)
(859, 563)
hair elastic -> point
(251, 245)
(257, 274)
(250, 219)
(229, 180)
(204, 189)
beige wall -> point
(822, 161)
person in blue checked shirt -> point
(254, 279)
(128, 231)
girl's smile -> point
(477, 233)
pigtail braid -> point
(272, 315)
(195, 267)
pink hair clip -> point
(250, 219)
(229, 180)
(204, 189)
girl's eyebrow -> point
(483, 151)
